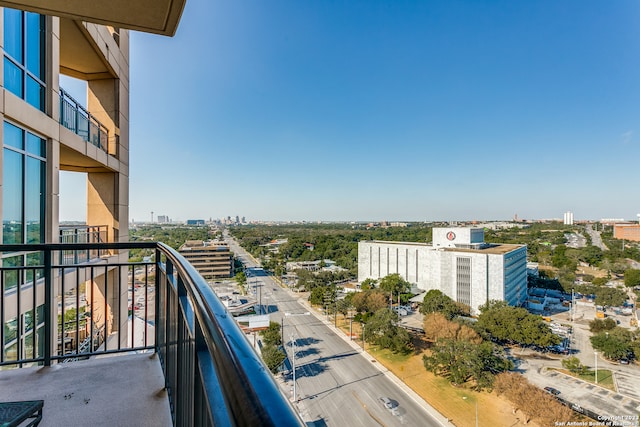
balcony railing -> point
(82, 234)
(55, 312)
(76, 118)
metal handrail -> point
(212, 374)
(82, 234)
(76, 118)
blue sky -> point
(388, 110)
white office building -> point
(458, 262)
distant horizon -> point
(315, 221)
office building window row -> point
(24, 56)
(463, 280)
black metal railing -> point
(109, 305)
(76, 118)
(82, 234)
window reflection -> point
(24, 56)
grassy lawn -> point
(605, 377)
(458, 404)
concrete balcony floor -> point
(109, 391)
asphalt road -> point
(335, 384)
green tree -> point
(368, 284)
(317, 295)
(632, 278)
(436, 301)
(610, 297)
(273, 357)
(599, 281)
(394, 284)
(462, 360)
(590, 254)
(572, 364)
(513, 324)
(241, 279)
(615, 344)
(381, 329)
(272, 335)
(599, 325)
(306, 280)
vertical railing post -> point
(157, 301)
(48, 305)
(167, 315)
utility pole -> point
(293, 348)
(293, 358)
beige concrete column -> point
(103, 100)
(103, 207)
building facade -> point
(627, 231)
(45, 131)
(568, 218)
(458, 262)
(212, 260)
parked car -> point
(552, 391)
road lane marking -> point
(367, 409)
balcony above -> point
(150, 16)
(76, 118)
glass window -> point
(35, 44)
(13, 33)
(13, 136)
(24, 65)
(33, 203)
(13, 77)
(11, 276)
(36, 145)
(10, 330)
(12, 198)
(23, 195)
(35, 93)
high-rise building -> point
(45, 130)
(568, 218)
(458, 262)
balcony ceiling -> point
(149, 16)
(78, 57)
(71, 160)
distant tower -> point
(638, 218)
(568, 218)
(151, 216)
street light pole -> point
(364, 343)
(293, 357)
(293, 349)
(596, 357)
(350, 328)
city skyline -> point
(406, 111)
